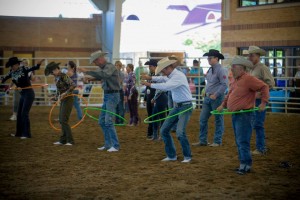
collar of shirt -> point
(172, 73)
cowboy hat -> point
(215, 53)
(163, 63)
(96, 55)
(50, 67)
(255, 49)
(151, 62)
(239, 60)
(12, 61)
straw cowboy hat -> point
(240, 60)
(96, 55)
(163, 63)
(12, 61)
(255, 49)
(50, 67)
(214, 53)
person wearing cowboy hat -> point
(65, 87)
(176, 82)
(262, 72)
(20, 77)
(217, 83)
(241, 96)
(111, 84)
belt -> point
(182, 103)
(111, 91)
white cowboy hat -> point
(96, 55)
(163, 63)
(255, 49)
(240, 60)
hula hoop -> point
(146, 121)
(56, 103)
(100, 109)
(225, 112)
(29, 87)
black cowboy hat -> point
(12, 61)
(50, 67)
(151, 62)
(215, 53)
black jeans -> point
(120, 110)
(149, 107)
(23, 122)
(66, 106)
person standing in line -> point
(149, 95)
(120, 107)
(65, 87)
(241, 96)
(72, 73)
(176, 82)
(110, 77)
(262, 72)
(217, 81)
(132, 96)
(20, 77)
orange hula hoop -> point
(56, 103)
(29, 87)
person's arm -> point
(169, 85)
(6, 77)
(71, 85)
(223, 78)
(160, 79)
(104, 73)
(259, 86)
(30, 69)
(267, 77)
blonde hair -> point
(118, 63)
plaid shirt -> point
(64, 84)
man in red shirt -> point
(241, 96)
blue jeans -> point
(110, 103)
(259, 121)
(120, 109)
(181, 121)
(242, 127)
(171, 105)
(159, 106)
(23, 122)
(208, 106)
(77, 105)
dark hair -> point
(195, 62)
(130, 66)
(72, 65)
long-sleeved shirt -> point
(21, 77)
(217, 80)
(242, 92)
(109, 75)
(177, 83)
(64, 84)
(262, 72)
(150, 92)
(130, 84)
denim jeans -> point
(66, 106)
(171, 105)
(17, 97)
(77, 105)
(110, 103)
(208, 106)
(120, 110)
(242, 127)
(23, 122)
(181, 121)
(259, 121)
(160, 105)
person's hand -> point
(88, 78)
(261, 107)
(40, 61)
(220, 108)
(258, 95)
(213, 97)
(146, 83)
(63, 95)
(129, 97)
(146, 77)
(125, 99)
(152, 101)
(80, 69)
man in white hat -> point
(241, 96)
(262, 72)
(110, 77)
(176, 82)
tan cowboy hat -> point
(50, 67)
(163, 63)
(240, 60)
(255, 49)
(96, 55)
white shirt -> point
(177, 83)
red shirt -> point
(242, 92)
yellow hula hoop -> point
(56, 103)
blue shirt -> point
(177, 83)
(195, 71)
(217, 80)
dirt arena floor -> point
(36, 169)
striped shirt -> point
(177, 83)
(242, 92)
(217, 80)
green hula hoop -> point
(100, 109)
(146, 121)
(225, 112)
